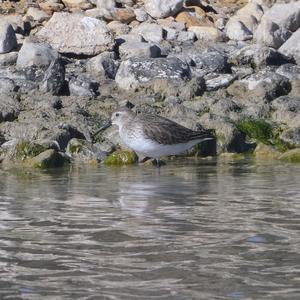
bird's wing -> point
(167, 132)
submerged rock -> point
(291, 156)
(48, 159)
(121, 157)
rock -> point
(262, 86)
(141, 14)
(289, 71)
(9, 107)
(129, 38)
(292, 156)
(219, 81)
(128, 50)
(263, 151)
(291, 137)
(158, 9)
(292, 46)
(8, 39)
(250, 9)
(103, 64)
(82, 86)
(121, 157)
(124, 15)
(285, 15)
(223, 107)
(76, 34)
(36, 54)
(118, 28)
(136, 71)
(106, 4)
(271, 34)
(229, 138)
(206, 33)
(16, 21)
(287, 116)
(7, 86)
(149, 31)
(236, 30)
(48, 159)
(77, 4)
(54, 78)
(51, 6)
(8, 59)
(84, 151)
(257, 56)
(189, 20)
(186, 36)
(37, 15)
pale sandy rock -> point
(292, 46)
(106, 4)
(118, 28)
(76, 33)
(206, 33)
(236, 30)
(162, 8)
(134, 49)
(286, 15)
(141, 14)
(8, 39)
(271, 34)
(36, 54)
(37, 15)
(51, 6)
(251, 9)
(78, 4)
(151, 32)
(185, 36)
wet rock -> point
(207, 33)
(8, 40)
(219, 81)
(285, 15)
(136, 71)
(82, 86)
(128, 50)
(84, 151)
(77, 34)
(263, 151)
(121, 157)
(271, 34)
(48, 159)
(292, 46)
(149, 31)
(161, 9)
(103, 65)
(236, 30)
(257, 56)
(292, 156)
(262, 86)
(229, 138)
(36, 54)
(289, 71)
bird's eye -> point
(117, 114)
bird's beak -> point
(105, 126)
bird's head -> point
(121, 116)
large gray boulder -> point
(161, 8)
(76, 34)
(135, 72)
(8, 40)
(36, 54)
(151, 32)
(292, 46)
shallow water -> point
(192, 230)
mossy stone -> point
(121, 157)
(48, 159)
(263, 151)
(27, 149)
(291, 156)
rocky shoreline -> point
(231, 66)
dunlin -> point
(154, 136)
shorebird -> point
(155, 136)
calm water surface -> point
(193, 230)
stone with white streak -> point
(77, 34)
(161, 8)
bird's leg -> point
(157, 162)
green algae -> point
(121, 157)
(292, 156)
(27, 149)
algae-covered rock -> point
(263, 151)
(48, 159)
(291, 156)
(26, 149)
(121, 157)
(259, 130)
